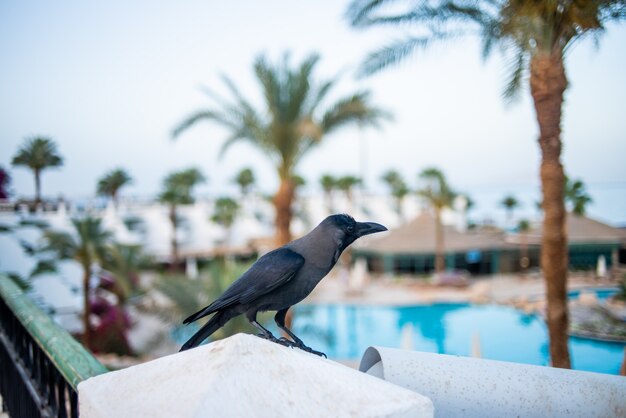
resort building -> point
(410, 249)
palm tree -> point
(576, 196)
(398, 188)
(346, 185)
(110, 183)
(438, 195)
(245, 179)
(328, 183)
(509, 203)
(124, 263)
(177, 190)
(226, 210)
(294, 121)
(38, 153)
(536, 34)
(87, 245)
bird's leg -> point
(265, 333)
(297, 342)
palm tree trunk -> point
(547, 84)
(86, 307)
(282, 202)
(174, 241)
(399, 209)
(37, 173)
(440, 262)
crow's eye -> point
(350, 228)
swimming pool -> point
(602, 294)
(345, 331)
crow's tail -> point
(218, 320)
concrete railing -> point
(472, 387)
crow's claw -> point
(310, 350)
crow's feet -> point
(310, 350)
(281, 341)
(288, 343)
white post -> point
(245, 376)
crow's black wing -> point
(269, 272)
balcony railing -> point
(41, 363)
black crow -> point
(282, 278)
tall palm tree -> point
(178, 190)
(328, 183)
(398, 189)
(576, 196)
(87, 244)
(225, 214)
(438, 194)
(38, 153)
(110, 184)
(294, 120)
(346, 184)
(510, 203)
(537, 35)
(245, 179)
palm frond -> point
(43, 267)
(517, 71)
(391, 54)
(62, 244)
(359, 10)
(211, 115)
(352, 109)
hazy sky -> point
(109, 80)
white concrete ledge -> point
(472, 387)
(245, 376)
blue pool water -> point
(602, 294)
(345, 331)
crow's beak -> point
(366, 228)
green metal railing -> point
(41, 363)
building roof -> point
(418, 236)
(584, 230)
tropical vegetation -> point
(576, 196)
(438, 194)
(110, 183)
(87, 245)
(38, 154)
(177, 190)
(536, 36)
(328, 183)
(296, 117)
(398, 189)
(510, 203)
(245, 179)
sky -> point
(108, 81)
